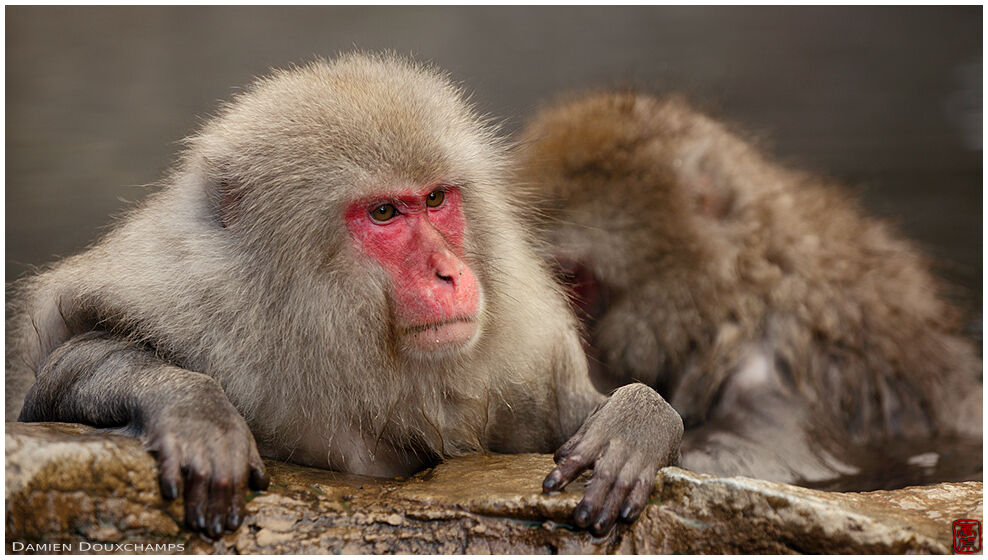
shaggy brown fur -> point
(755, 298)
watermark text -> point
(98, 547)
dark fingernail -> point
(169, 489)
(233, 519)
(581, 517)
(217, 527)
(201, 521)
(601, 528)
(259, 479)
(551, 482)
(626, 511)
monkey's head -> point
(606, 171)
(360, 180)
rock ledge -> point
(78, 487)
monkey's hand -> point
(626, 440)
(206, 444)
(182, 416)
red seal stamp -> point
(967, 536)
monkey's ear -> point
(223, 189)
(228, 201)
(710, 198)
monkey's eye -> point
(435, 198)
(384, 213)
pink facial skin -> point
(437, 296)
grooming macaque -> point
(784, 326)
(337, 267)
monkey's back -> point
(709, 250)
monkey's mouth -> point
(452, 332)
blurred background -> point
(886, 99)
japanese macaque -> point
(784, 326)
(336, 270)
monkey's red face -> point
(417, 237)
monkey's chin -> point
(453, 334)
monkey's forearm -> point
(576, 397)
(183, 417)
(104, 381)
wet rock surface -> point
(74, 485)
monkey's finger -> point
(637, 499)
(169, 459)
(615, 498)
(236, 508)
(607, 471)
(219, 505)
(567, 469)
(169, 475)
(553, 482)
(196, 493)
(586, 452)
(592, 501)
(258, 474)
(259, 479)
(570, 445)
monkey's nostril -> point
(444, 277)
